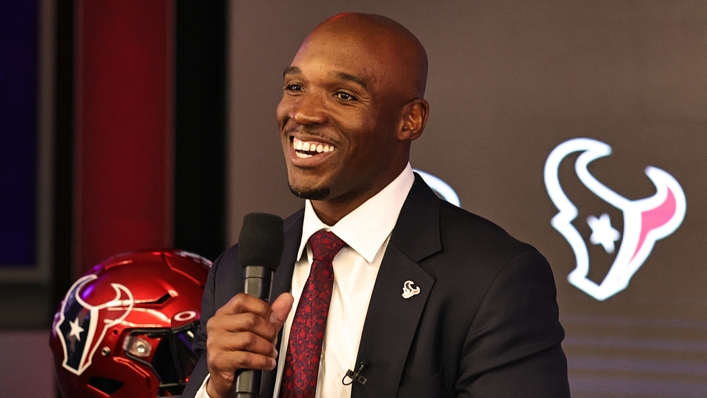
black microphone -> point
(260, 247)
(355, 376)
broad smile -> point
(308, 149)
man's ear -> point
(414, 120)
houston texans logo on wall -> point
(644, 221)
(82, 326)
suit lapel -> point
(392, 320)
(282, 282)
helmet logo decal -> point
(185, 316)
(645, 220)
(82, 326)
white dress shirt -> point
(366, 232)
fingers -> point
(242, 335)
(242, 324)
(280, 309)
(228, 352)
(242, 302)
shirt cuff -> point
(201, 393)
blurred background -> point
(136, 124)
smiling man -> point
(421, 298)
(356, 88)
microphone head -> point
(262, 240)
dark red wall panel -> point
(124, 127)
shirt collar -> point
(369, 225)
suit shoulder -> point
(459, 224)
(294, 219)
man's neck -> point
(331, 211)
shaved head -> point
(398, 48)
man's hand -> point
(242, 335)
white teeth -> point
(304, 146)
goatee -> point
(314, 194)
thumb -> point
(280, 309)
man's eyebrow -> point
(352, 78)
(291, 70)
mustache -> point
(303, 132)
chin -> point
(310, 193)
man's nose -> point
(310, 109)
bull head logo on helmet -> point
(125, 329)
(644, 221)
(82, 332)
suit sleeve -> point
(513, 348)
(208, 309)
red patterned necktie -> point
(299, 378)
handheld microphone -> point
(260, 247)
(355, 376)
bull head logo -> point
(645, 220)
(82, 326)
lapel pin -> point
(409, 290)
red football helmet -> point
(124, 330)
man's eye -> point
(294, 87)
(345, 96)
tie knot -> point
(325, 245)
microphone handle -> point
(258, 283)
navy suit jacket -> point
(485, 323)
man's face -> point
(338, 121)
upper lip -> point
(306, 136)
